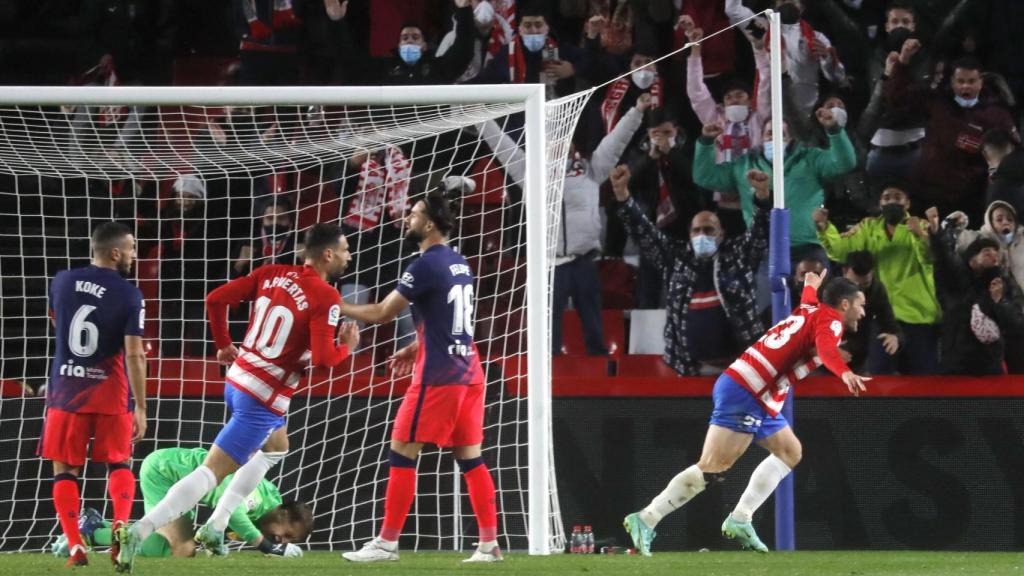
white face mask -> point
(840, 115)
(483, 14)
(644, 78)
(671, 142)
(737, 113)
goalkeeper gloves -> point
(282, 550)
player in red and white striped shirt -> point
(294, 318)
(748, 397)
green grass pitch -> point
(674, 564)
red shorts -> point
(66, 437)
(450, 415)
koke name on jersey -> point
(90, 288)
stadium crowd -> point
(902, 157)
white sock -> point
(679, 491)
(242, 484)
(389, 545)
(181, 498)
(763, 481)
(486, 547)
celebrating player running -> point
(445, 403)
(98, 317)
(748, 398)
(294, 317)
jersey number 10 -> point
(276, 324)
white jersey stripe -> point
(750, 376)
(762, 361)
(246, 380)
(276, 371)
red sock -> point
(121, 486)
(67, 504)
(399, 497)
(481, 495)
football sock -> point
(67, 503)
(181, 498)
(481, 495)
(242, 484)
(763, 481)
(680, 490)
(121, 487)
(399, 496)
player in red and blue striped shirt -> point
(444, 405)
(748, 398)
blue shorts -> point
(250, 425)
(738, 410)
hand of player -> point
(820, 217)
(620, 182)
(854, 383)
(227, 355)
(349, 335)
(759, 181)
(138, 424)
(813, 280)
(402, 362)
(890, 343)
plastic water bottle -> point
(576, 540)
(588, 540)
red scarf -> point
(517, 58)
(380, 182)
(805, 30)
(507, 10)
(610, 112)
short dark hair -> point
(299, 512)
(534, 8)
(278, 201)
(320, 237)
(899, 5)
(860, 262)
(1000, 137)
(966, 63)
(838, 289)
(441, 209)
(658, 116)
(107, 235)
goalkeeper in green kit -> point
(262, 520)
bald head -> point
(706, 223)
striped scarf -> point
(610, 112)
(381, 181)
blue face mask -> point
(703, 245)
(410, 53)
(1007, 238)
(534, 42)
(965, 103)
(769, 150)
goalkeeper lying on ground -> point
(261, 521)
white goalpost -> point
(198, 172)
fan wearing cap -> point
(444, 405)
(981, 304)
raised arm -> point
(378, 313)
(652, 241)
(614, 144)
(505, 150)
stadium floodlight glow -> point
(71, 157)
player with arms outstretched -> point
(99, 319)
(295, 315)
(444, 405)
(748, 397)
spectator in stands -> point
(952, 169)
(879, 322)
(416, 64)
(662, 185)
(796, 286)
(275, 238)
(1005, 160)
(183, 269)
(740, 120)
(710, 302)
(806, 171)
(131, 38)
(808, 52)
(372, 222)
(534, 56)
(1002, 226)
(271, 39)
(900, 246)
(492, 33)
(981, 305)
(579, 239)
